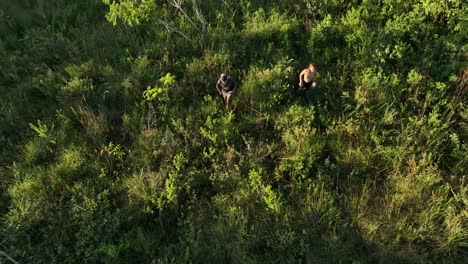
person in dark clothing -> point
(226, 86)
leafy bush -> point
(261, 25)
(267, 89)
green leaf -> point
(167, 80)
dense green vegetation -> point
(116, 149)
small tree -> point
(135, 12)
(157, 94)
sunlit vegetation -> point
(116, 148)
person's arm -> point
(218, 87)
(301, 82)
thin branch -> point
(170, 28)
(178, 4)
(8, 257)
(200, 17)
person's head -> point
(223, 77)
(312, 67)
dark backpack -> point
(230, 84)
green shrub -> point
(94, 124)
(265, 90)
(416, 212)
(301, 145)
(38, 150)
(264, 26)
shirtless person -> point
(307, 79)
(226, 86)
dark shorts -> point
(307, 86)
